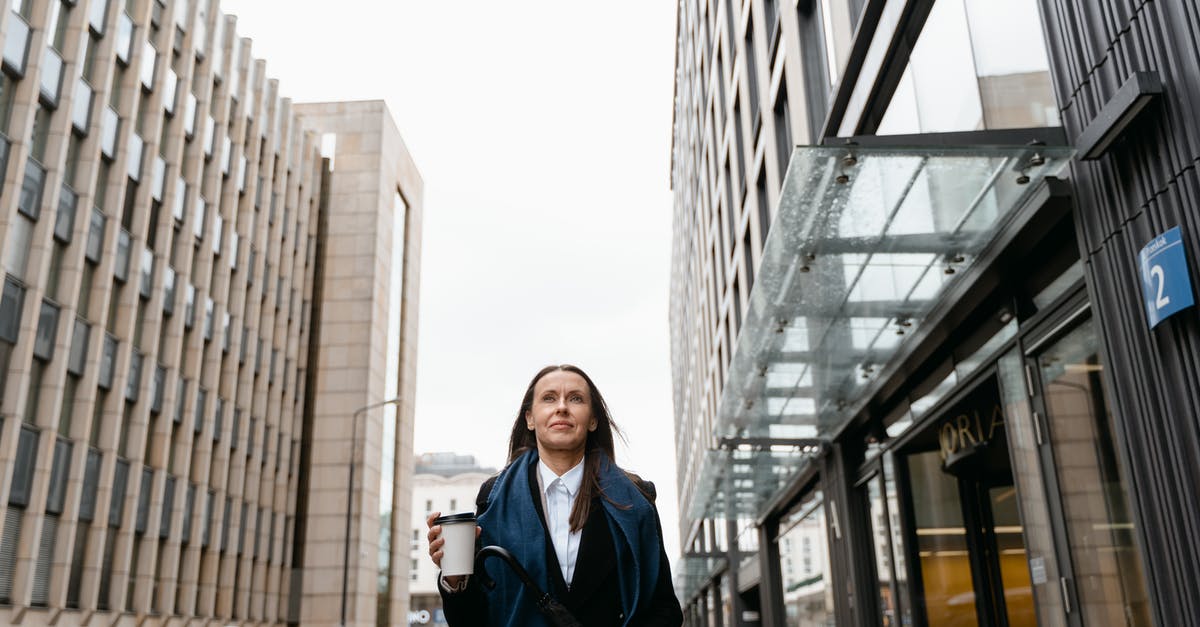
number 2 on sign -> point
(1160, 301)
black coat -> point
(594, 597)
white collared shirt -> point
(558, 500)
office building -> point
(933, 332)
(196, 300)
(446, 483)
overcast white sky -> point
(542, 129)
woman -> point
(586, 531)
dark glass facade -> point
(1022, 450)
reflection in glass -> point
(391, 412)
(804, 565)
(941, 543)
(966, 74)
(747, 535)
(937, 91)
(837, 32)
(1100, 530)
(883, 551)
(899, 565)
(1010, 547)
(81, 107)
(16, 43)
(97, 11)
(1070, 277)
(51, 77)
(110, 123)
(1031, 491)
(726, 603)
(1014, 80)
(124, 44)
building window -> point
(30, 200)
(1100, 527)
(783, 138)
(802, 537)
(95, 240)
(752, 76)
(965, 74)
(108, 357)
(11, 304)
(198, 416)
(43, 345)
(837, 34)
(79, 341)
(64, 223)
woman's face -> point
(561, 415)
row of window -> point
(264, 537)
(166, 121)
(712, 221)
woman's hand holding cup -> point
(462, 556)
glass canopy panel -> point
(737, 483)
(693, 572)
(865, 242)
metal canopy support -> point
(804, 443)
(770, 589)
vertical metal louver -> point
(40, 595)
(8, 551)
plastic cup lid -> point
(455, 518)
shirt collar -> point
(571, 480)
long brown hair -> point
(599, 441)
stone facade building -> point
(197, 301)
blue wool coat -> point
(622, 575)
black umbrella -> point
(546, 604)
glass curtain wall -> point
(1100, 530)
(837, 31)
(941, 537)
(888, 544)
(1024, 447)
(391, 412)
(804, 565)
(978, 64)
(883, 552)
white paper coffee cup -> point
(458, 553)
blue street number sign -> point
(1166, 287)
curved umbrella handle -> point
(502, 553)
(550, 608)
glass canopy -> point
(735, 483)
(865, 243)
(693, 573)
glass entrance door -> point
(1106, 566)
(1008, 546)
(969, 542)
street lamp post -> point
(350, 496)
